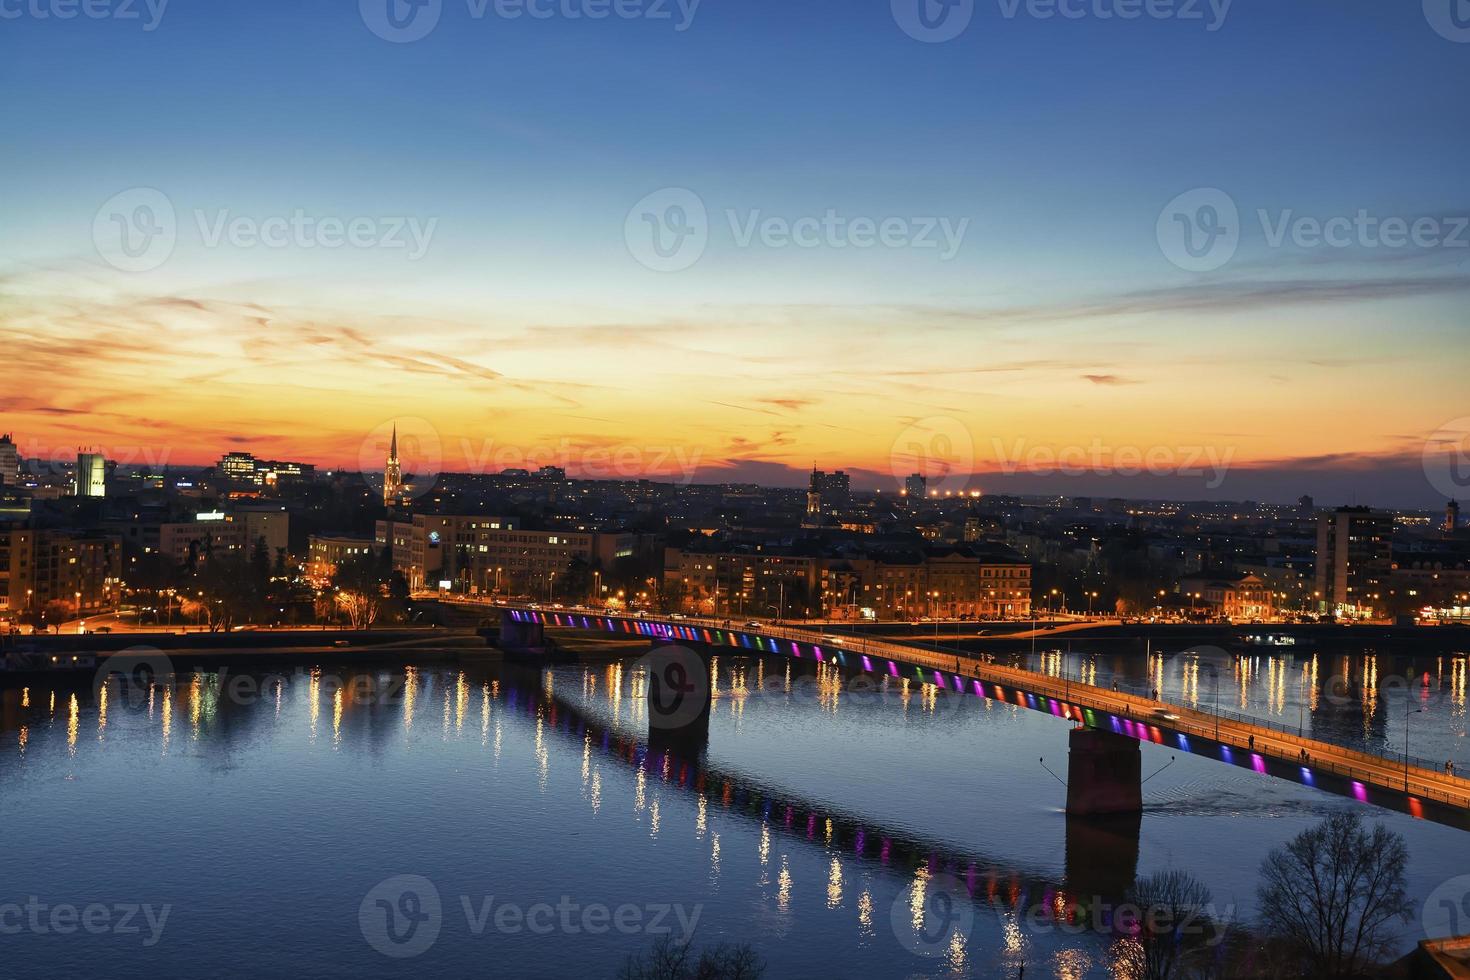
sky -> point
(1202, 251)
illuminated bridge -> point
(1104, 766)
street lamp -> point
(1409, 709)
(1215, 673)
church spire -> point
(392, 472)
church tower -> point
(392, 473)
(814, 496)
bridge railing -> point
(1381, 770)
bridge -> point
(1104, 759)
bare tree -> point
(671, 959)
(1175, 926)
(1333, 892)
(359, 590)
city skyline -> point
(1023, 295)
(1184, 474)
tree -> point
(1175, 926)
(359, 589)
(228, 587)
(574, 584)
(49, 616)
(1333, 892)
(671, 959)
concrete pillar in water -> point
(679, 695)
(514, 635)
(1104, 774)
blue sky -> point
(527, 142)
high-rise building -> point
(9, 462)
(238, 466)
(91, 478)
(1451, 517)
(916, 487)
(1354, 560)
(392, 473)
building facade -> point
(91, 475)
(325, 553)
(9, 462)
(953, 584)
(1354, 560)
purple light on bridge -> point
(1307, 776)
(893, 668)
(1258, 763)
(867, 664)
(938, 679)
(979, 690)
(959, 684)
(1360, 792)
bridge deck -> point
(1085, 704)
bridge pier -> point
(520, 637)
(1104, 774)
(679, 696)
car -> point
(1164, 714)
(831, 638)
(752, 625)
(677, 616)
(103, 629)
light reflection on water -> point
(814, 813)
(1361, 699)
